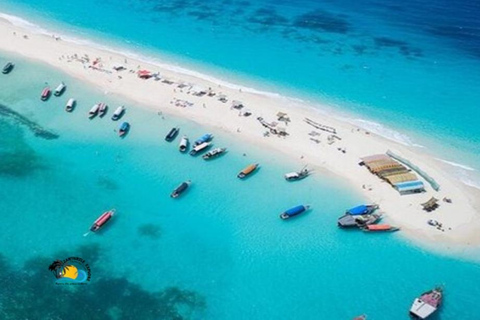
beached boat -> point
(426, 305)
(297, 175)
(124, 128)
(199, 148)
(102, 109)
(118, 113)
(172, 134)
(60, 89)
(295, 211)
(183, 145)
(205, 138)
(8, 67)
(214, 153)
(70, 105)
(94, 111)
(247, 171)
(379, 228)
(180, 189)
(102, 220)
(45, 94)
(362, 209)
(349, 221)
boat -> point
(124, 128)
(183, 145)
(45, 94)
(247, 171)
(94, 111)
(70, 105)
(362, 209)
(199, 148)
(427, 304)
(295, 211)
(118, 113)
(205, 138)
(172, 134)
(214, 153)
(349, 221)
(102, 220)
(60, 89)
(362, 317)
(180, 189)
(102, 110)
(297, 175)
(379, 228)
(8, 67)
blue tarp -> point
(205, 138)
(410, 186)
(295, 210)
(358, 210)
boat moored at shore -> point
(70, 105)
(45, 94)
(60, 89)
(180, 189)
(102, 109)
(118, 113)
(205, 138)
(379, 228)
(349, 221)
(427, 304)
(123, 130)
(8, 68)
(183, 145)
(102, 220)
(214, 153)
(298, 175)
(295, 211)
(362, 209)
(172, 134)
(199, 148)
(94, 111)
(247, 171)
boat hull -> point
(172, 135)
(102, 220)
(180, 189)
(293, 212)
(247, 171)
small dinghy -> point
(298, 175)
(205, 138)
(70, 105)
(180, 189)
(183, 145)
(427, 304)
(172, 134)
(94, 111)
(102, 220)
(45, 94)
(199, 148)
(123, 130)
(60, 89)
(8, 68)
(295, 211)
(247, 171)
(214, 153)
(118, 113)
(102, 110)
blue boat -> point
(294, 211)
(205, 138)
(362, 209)
(124, 127)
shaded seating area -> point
(431, 204)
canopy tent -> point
(375, 157)
(394, 171)
(403, 177)
(385, 166)
(144, 74)
(410, 187)
(431, 204)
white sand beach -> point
(460, 219)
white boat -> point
(214, 153)
(118, 113)
(426, 305)
(70, 105)
(102, 109)
(94, 111)
(60, 89)
(199, 148)
(183, 146)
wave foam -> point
(383, 131)
(458, 165)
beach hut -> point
(431, 204)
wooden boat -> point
(205, 138)
(60, 89)
(362, 209)
(199, 148)
(102, 110)
(172, 134)
(183, 145)
(297, 175)
(70, 105)
(45, 94)
(379, 228)
(295, 211)
(94, 111)
(102, 220)
(247, 171)
(124, 128)
(427, 304)
(8, 68)
(118, 113)
(349, 221)
(180, 189)
(214, 153)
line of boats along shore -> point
(361, 217)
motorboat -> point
(247, 171)
(102, 220)
(123, 130)
(8, 68)
(349, 221)
(214, 153)
(94, 111)
(297, 175)
(362, 209)
(295, 211)
(379, 228)
(183, 145)
(172, 134)
(205, 138)
(361, 317)
(102, 110)
(70, 105)
(427, 304)
(60, 89)
(118, 113)
(180, 189)
(199, 148)
(45, 94)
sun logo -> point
(70, 271)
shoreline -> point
(405, 211)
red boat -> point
(102, 220)
(45, 94)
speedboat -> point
(349, 221)
(8, 67)
(379, 228)
(102, 220)
(205, 138)
(60, 89)
(102, 110)
(214, 153)
(183, 145)
(426, 305)
(199, 148)
(124, 128)
(45, 94)
(362, 209)
(70, 105)
(295, 211)
(247, 171)
(180, 189)
(94, 111)
(118, 113)
(172, 134)
(297, 175)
